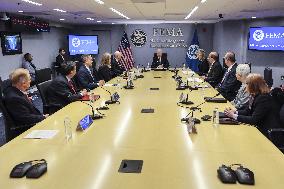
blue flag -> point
(191, 57)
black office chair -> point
(47, 107)
(43, 75)
(277, 138)
(282, 114)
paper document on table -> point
(41, 134)
(195, 79)
(108, 85)
(203, 86)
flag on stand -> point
(127, 58)
(191, 57)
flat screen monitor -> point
(266, 38)
(83, 44)
(11, 43)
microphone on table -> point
(113, 97)
(184, 100)
(197, 108)
(94, 116)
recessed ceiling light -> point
(119, 13)
(99, 21)
(112, 23)
(90, 19)
(61, 19)
(100, 2)
(59, 10)
(253, 17)
(20, 11)
(203, 1)
(32, 2)
(192, 11)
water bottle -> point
(183, 68)
(68, 128)
(92, 97)
(190, 125)
(215, 117)
(148, 66)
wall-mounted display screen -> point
(83, 44)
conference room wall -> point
(109, 37)
(233, 35)
(43, 46)
(176, 56)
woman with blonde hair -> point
(104, 72)
(262, 111)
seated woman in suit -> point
(262, 111)
(243, 96)
(104, 72)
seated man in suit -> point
(160, 60)
(115, 67)
(85, 74)
(62, 90)
(27, 64)
(229, 85)
(215, 72)
(18, 104)
(60, 59)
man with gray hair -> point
(116, 69)
(18, 104)
(229, 85)
(85, 74)
(160, 60)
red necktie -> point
(71, 87)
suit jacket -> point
(115, 68)
(60, 60)
(203, 67)
(60, 93)
(21, 108)
(263, 112)
(32, 69)
(86, 79)
(104, 73)
(230, 85)
(215, 74)
(156, 62)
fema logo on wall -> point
(76, 42)
(191, 52)
(258, 35)
(138, 38)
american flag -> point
(127, 58)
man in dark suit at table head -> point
(62, 90)
(17, 102)
(85, 74)
(115, 66)
(160, 60)
(215, 72)
(229, 84)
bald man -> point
(116, 69)
(215, 73)
(160, 60)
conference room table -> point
(172, 157)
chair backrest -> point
(42, 88)
(282, 114)
(276, 136)
(43, 75)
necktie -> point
(71, 86)
(225, 76)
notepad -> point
(41, 134)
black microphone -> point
(111, 101)
(197, 108)
(94, 115)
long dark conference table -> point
(172, 158)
